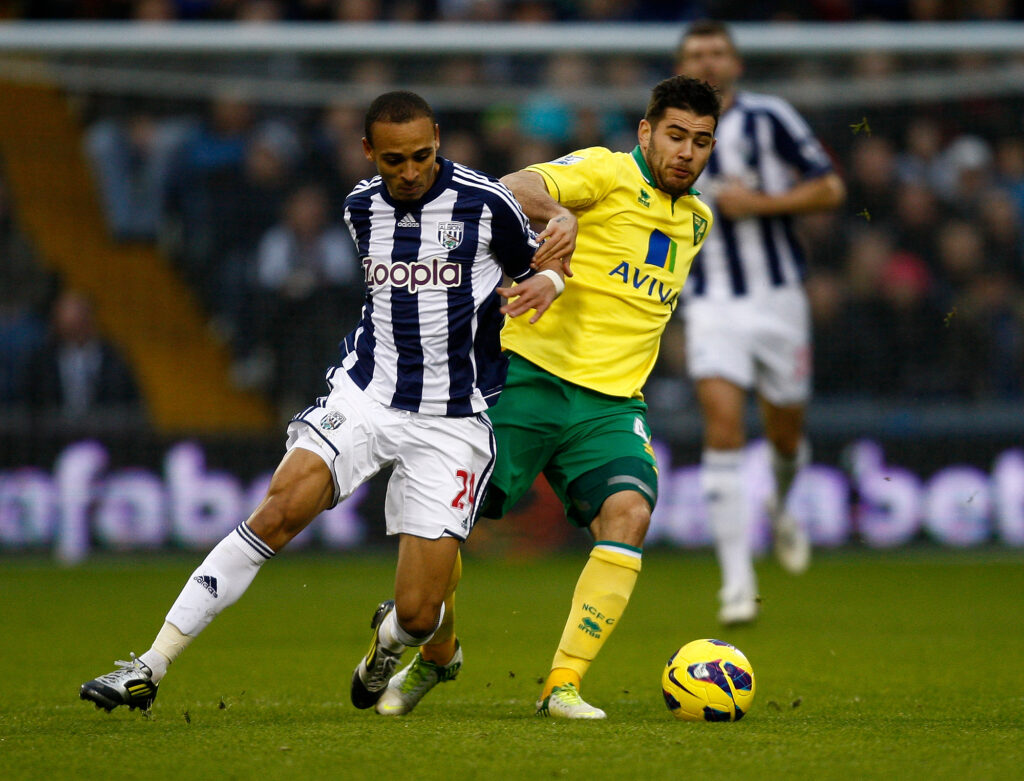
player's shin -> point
(791, 543)
(786, 468)
(722, 487)
(218, 582)
(598, 603)
(441, 647)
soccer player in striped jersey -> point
(746, 314)
(631, 224)
(411, 391)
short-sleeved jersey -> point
(765, 144)
(429, 337)
(633, 253)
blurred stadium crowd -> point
(513, 10)
(917, 285)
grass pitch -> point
(870, 665)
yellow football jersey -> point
(633, 253)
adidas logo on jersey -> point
(407, 221)
(208, 582)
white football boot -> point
(565, 702)
(791, 544)
(738, 609)
(411, 685)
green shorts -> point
(588, 445)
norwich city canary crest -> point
(700, 227)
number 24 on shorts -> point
(467, 492)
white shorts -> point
(762, 343)
(441, 465)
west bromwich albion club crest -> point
(449, 234)
(331, 421)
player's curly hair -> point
(398, 107)
(682, 92)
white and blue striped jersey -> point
(764, 143)
(428, 339)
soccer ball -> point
(708, 680)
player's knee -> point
(280, 516)
(638, 518)
(624, 517)
(418, 616)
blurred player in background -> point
(747, 320)
(412, 389)
(572, 406)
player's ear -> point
(368, 149)
(437, 136)
(643, 134)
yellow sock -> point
(560, 676)
(601, 595)
(441, 647)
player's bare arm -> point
(558, 239)
(822, 193)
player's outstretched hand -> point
(558, 242)
(537, 292)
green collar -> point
(645, 172)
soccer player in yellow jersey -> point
(572, 407)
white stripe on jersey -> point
(766, 145)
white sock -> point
(167, 647)
(786, 468)
(219, 581)
(395, 639)
(722, 485)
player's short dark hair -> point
(707, 28)
(398, 107)
(682, 92)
